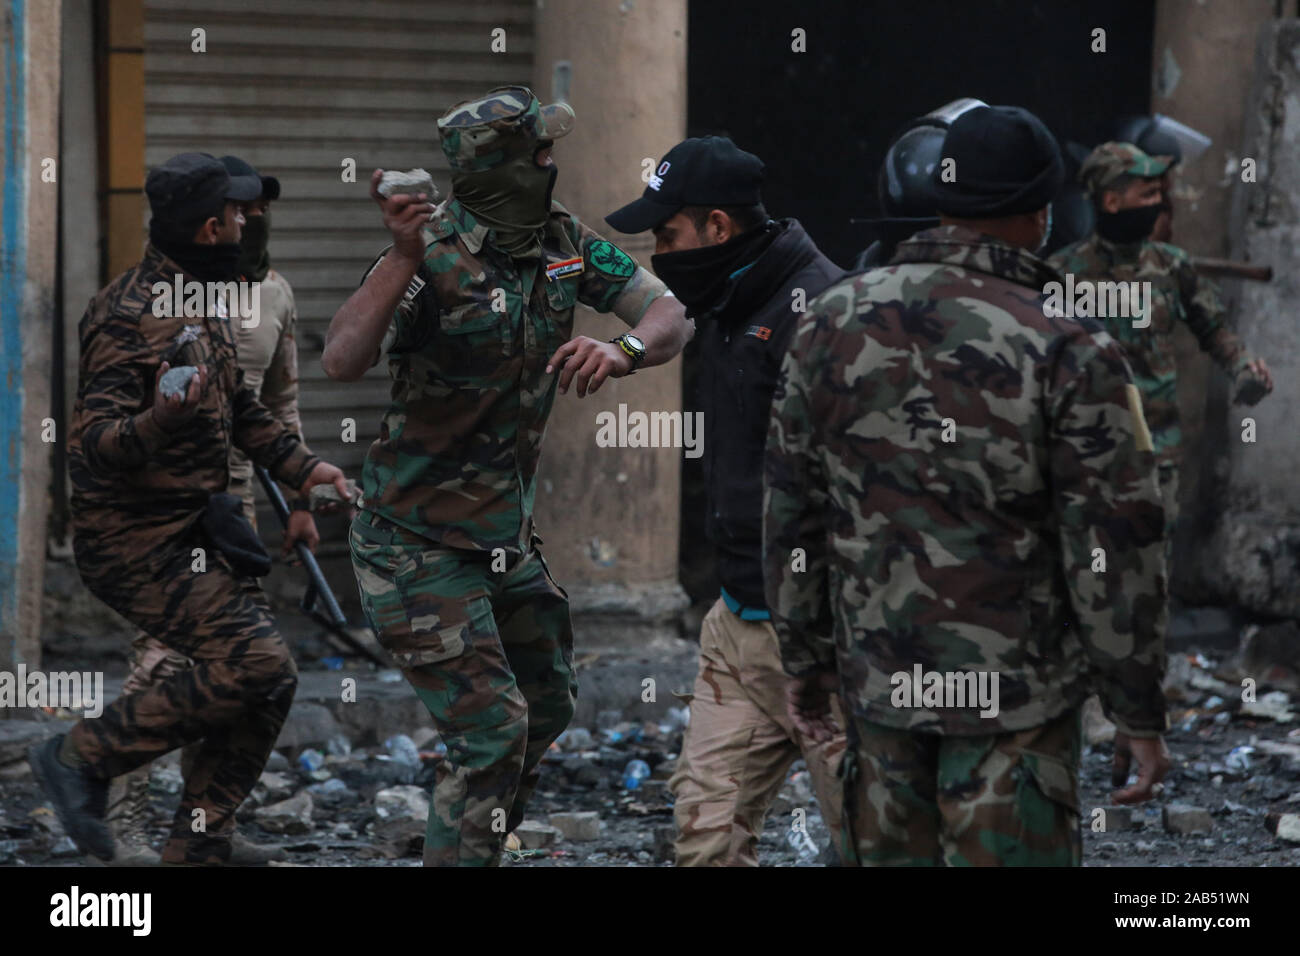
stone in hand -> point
(176, 381)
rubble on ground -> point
(348, 785)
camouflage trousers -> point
(233, 700)
(921, 799)
(740, 744)
(489, 650)
(152, 662)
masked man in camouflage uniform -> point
(947, 466)
(268, 356)
(1126, 186)
(446, 555)
(144, 469)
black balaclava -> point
(254, 260)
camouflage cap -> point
(480, 134)
(1109, 161)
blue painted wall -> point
(13, 270)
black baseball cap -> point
(268, 187)
(703, 171)
(189, 185)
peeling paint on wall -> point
(1169, 75)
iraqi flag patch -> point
(558, 270)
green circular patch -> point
(609, 259)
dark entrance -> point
(822, 119)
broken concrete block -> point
(412, 182)
(292, 816)
(278, 786)
(1183, 818)
(1285, 825)
(401, 814)
(578, 827)
(534, 836)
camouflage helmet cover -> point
(1110, 161)
(480, 134)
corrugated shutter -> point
(297, 86)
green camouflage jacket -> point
(457, 454)
(946, 468)
(1178, 294)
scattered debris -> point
(1275, 705)
(535, 836)
(579, 827)
(291, 817)
(1181, 818)
(1286, 826)
(401, 814)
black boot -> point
(79, 798)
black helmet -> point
(903, 186)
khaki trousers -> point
(740, 744)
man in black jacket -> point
(745, 278)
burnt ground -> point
(338, 792)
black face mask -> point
(1128, 225)
(216, 263)
(699, 277)
(254, 261)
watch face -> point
(635, 342)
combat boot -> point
(244, 852)
(128, 819)
(78, 797)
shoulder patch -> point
(610, 260)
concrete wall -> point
(29, 63)
(1255, 551)
(1200, 76)
(610, 515)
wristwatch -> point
(300, 504)
(632, 347)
